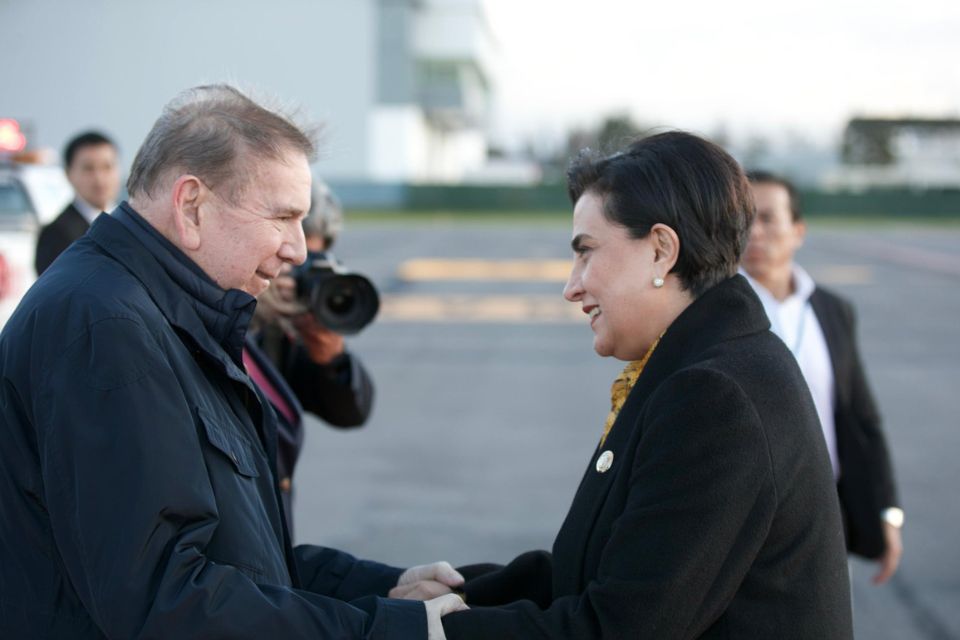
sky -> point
(753, 67)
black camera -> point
(341, 301)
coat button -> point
(605, 461)
(285, 485)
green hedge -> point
(886, 202)
(486, 198)
(893, 203)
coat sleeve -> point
(701, 501)
(340, 393)
(132, 508)
(340, 575)
(528, 577)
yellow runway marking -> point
(517, 308)
(838, 274)
(490, 270)
(479, 308)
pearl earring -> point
(658, 282)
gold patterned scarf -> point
(622, 386)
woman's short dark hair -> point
(683, 181)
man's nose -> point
(294, 248)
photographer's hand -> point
(321, 344)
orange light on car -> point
(11, 138)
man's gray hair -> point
(211, 131)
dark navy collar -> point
(186, 296)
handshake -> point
(436, 585)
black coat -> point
(866, 485)
(57, 236)
(717, 519)
(137, 472)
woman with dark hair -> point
(708, 509)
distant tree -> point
(616, 131)
(612, 133)
(496, 152)
(867, 141)
(755, 151)
(578, 140)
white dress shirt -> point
(794, 322)
(87, 210)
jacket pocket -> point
(256, 574)
(232, 445)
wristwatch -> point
(893, 516)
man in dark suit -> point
(90, 160)
(819, 328)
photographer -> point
(300, 364)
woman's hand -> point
(427, 581)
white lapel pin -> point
(605, 461)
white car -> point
(31, 195)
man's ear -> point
(188, 194)
(666, 245)
(800, 229)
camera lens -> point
(345, 303)
(341, 302)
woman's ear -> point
(666, 246)
(189, 193)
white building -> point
(403, 85)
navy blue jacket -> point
(341, 393)
(137, 468)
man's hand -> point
(427, 581)
(890, 559)
(321, 344)
(439, 607)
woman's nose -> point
(572, 290)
